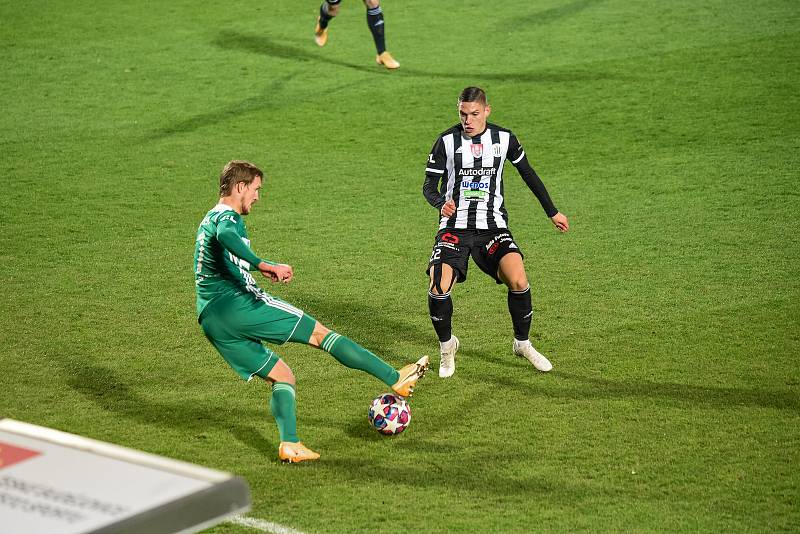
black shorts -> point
(487, 248)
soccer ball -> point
(389, 414)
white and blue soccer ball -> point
(389, 414)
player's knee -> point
(319, 333)
(518, 283)
(441, 280)
(282, 373)
(371, 4)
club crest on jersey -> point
(496, 150)
(477, 150)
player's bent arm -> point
(231, 240)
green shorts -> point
(237, 325)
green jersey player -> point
(237, 316)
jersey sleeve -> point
(515, 151)
(229, 237)
(516, 155)
(434, 171)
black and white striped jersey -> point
(469, 170)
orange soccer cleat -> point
(387, 61)
(295, 452)
(409, 376)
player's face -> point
(473, 117)
(250, 195)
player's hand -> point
(448, 209)
(277, 273)
(560, 221)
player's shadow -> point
(722, 398)
(102, 387)
(270, 98)
(501, 358)
(472, 475)
(265, 100)
(263, 45)
(521, 21)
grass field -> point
(668, 132)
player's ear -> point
(488, 109)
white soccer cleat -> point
(447, 359)
(524, 349)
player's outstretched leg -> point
(351, 354)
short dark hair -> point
(473, 94)
(236, 171)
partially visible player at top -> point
(237, 316)
(467, 160)
(330, 8)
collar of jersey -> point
(222, 207)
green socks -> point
(354, 356)
(282, 406)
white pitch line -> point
(264, 526)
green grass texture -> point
(668, 132)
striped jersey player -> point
(464, 181)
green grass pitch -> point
(668, 132)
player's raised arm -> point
(520, 161)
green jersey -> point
(223, 258)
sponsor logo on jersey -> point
(477, 150)
(430, 159)
(466, 184)
(479, 171)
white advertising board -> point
(58, 483)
